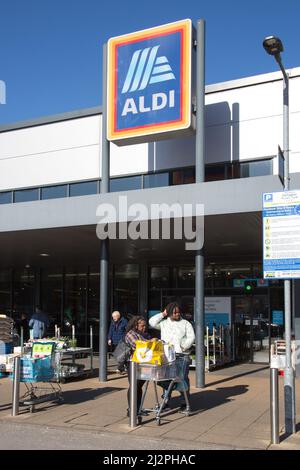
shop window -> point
(156, 180)
(159, 277)
(53, 192)
(224, 275)
(183, 176)
(126, 289)
(6, 198)
(125, 184)
(215, 172)
(83, 189)
(186, 277)
(258, 168)
(93, 300)
(5, 292)
(24, 289)
(75, 303)
(51, 291)
(26, 195)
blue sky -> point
(50, 50)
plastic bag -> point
(149, 352)
(122, 352)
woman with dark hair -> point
(136, 330)
(177, 331)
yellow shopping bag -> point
(149, 352)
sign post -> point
(281, 254)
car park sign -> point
(281, 230)
(149, 84)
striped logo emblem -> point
(146, 68)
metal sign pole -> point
(104, 250)
(200, 176)
(289, 376)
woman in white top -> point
(175, 330)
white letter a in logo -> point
(129, 107)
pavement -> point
(232, 412)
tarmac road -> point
(16, 436)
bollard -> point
(274, 406)
(133, 394)
(16, 386)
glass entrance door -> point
(252, 327)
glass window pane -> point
(159, 277)
(155, 181)
(53, 192)
(186, 276)
(23, 307)
(5, 287)
(183, 176)
(126, 282)
(94, 300)
(6, 198)
(52, 296)
(214, 172)
(25, 195)
(84, 188)
(75, 304)
(125, 184)
(260, 168)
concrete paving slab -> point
(247, 443)
(178, 435)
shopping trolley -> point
(38, 374)
(170, 376)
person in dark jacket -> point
(116, 332)
(39, 323)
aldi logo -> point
(149, 83)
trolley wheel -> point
(158, 421)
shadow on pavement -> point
(200, 402)
(207, 399)
(233, 377)
(73, 397)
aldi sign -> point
(149, 84)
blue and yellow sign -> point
(149, 83)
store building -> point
(50, 172)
